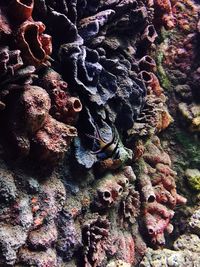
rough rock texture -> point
(194, 222)
(168, 257)
(99, 133)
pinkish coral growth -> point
(35, 45)
(164, 13)
(158, 188)
(110, 189)
(95, 233)
(63, 107)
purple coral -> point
(98, 60)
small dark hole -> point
(149, 59)
(151, 31)
(26, 2)
(77, 104)
(146, 76)
(150, 231)
(151, 199)
(106, 194)
(120, 190)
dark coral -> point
(14, 74)
(98, 58)
(130, 206)
(28, 126)
(94, 234)
(68, 240)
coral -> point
(102, 242)
(130, 205)
(37, 104)
(35, 46)
(53, 140)
(18, 81)
(126, 247)
(154, 116)
(99, 62)
(158, 189)
(84, 180)
(47, 205)
(186, 241)
(191, 148)
(5, 28)
(21, 213)
(44, 237)
(149, 35)
(23, 9)
(164, 13)
(10, 61)
(193, 177)
(186, 252)
(68, 240)
(94, 235)
(118, 263)
(28, 34)
(110, 188)
(184, 91)
(64, 108)
(37, 128)
(148, 64)
(13, 72)
(48, 138)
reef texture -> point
(157, 183)
(186, 251)
(97, 101)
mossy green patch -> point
(193, 177)
(165, 38)
(190, 148)
(162, 75)
(166, 34)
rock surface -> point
(99, 133)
